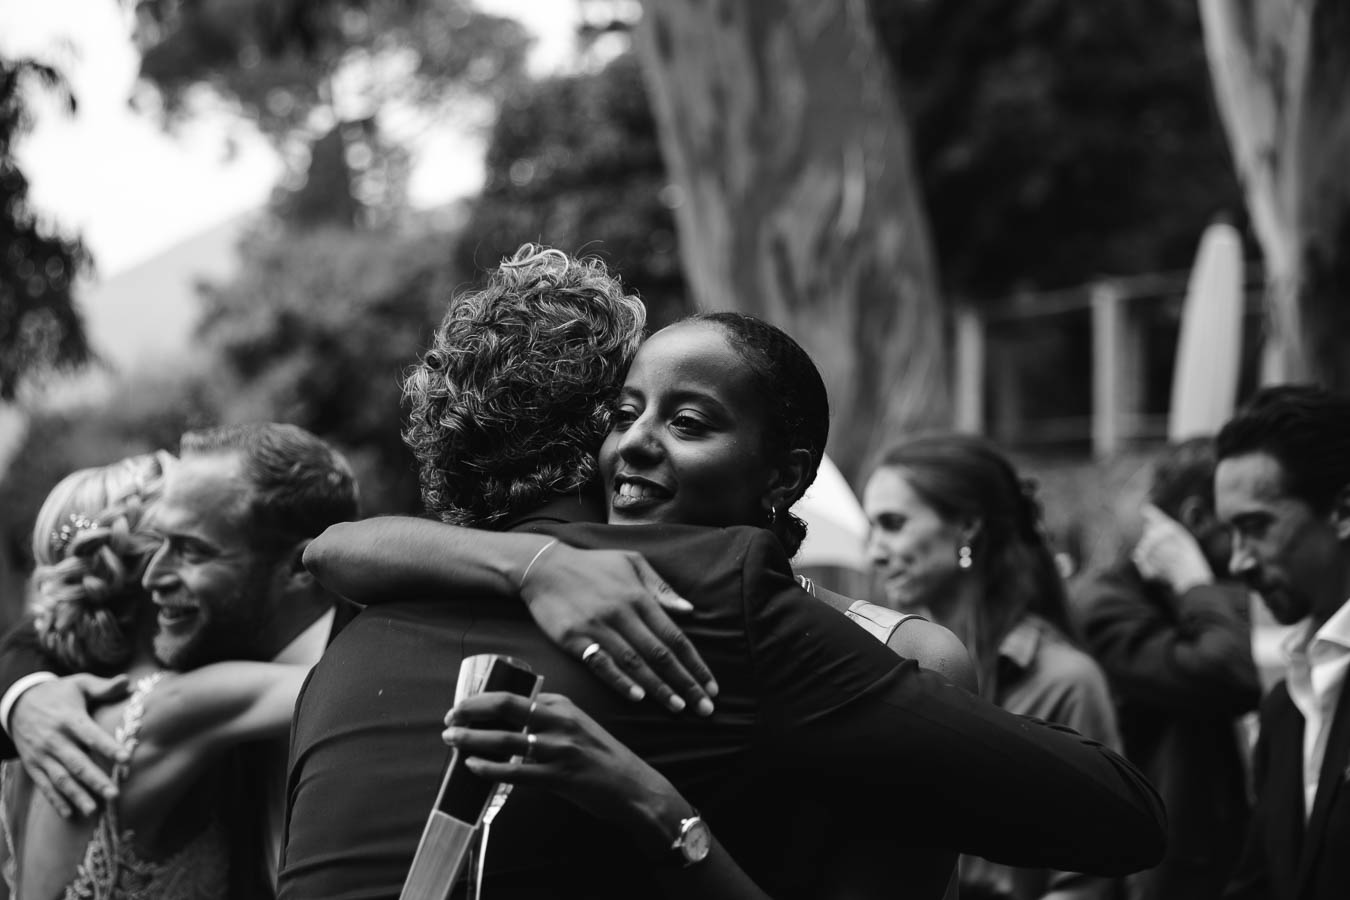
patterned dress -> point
(111, 868)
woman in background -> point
(956, 533)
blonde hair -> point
(90, 555)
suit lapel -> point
(1329, 782)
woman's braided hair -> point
(90, 555)
(796, 404)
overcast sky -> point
(131, 190)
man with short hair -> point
(1283, 486)
(1169, 627)
(236, 513)
(821, 732)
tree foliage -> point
(574, 162)
(317, 76)
(138, 414)
(1057, 141)
(40, 327)
(317, 329)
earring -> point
(773, 516)
(964, 557)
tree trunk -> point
(1281, 72)
(781, 125)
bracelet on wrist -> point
(526, 574)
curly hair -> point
(797, 406)
(512, 401)
(90, 555)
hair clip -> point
(75, 524)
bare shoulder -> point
(936, 648)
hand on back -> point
(616, 601)
(56, 739)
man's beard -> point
(212, 642)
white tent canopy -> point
(835, 521)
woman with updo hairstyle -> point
(955, 532)
(159, 838)
(87, 581)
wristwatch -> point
(694, 841)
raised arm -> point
(1198, 658)
(579, 598)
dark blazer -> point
(814, 716)
(1181, 671)
(1286, 859)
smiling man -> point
(235, 516)
(1283, 486)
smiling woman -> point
(956, 532)
(686, 409)
(722, 421)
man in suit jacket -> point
(1283, 485)
(1170, 629)
(235, 515)
(819, 727)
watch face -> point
(697, 841)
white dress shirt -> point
(1317, 667)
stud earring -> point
(964, 558)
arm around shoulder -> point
(394, 556)
(223, 704)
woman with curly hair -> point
(956, 533)
(159, 838)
